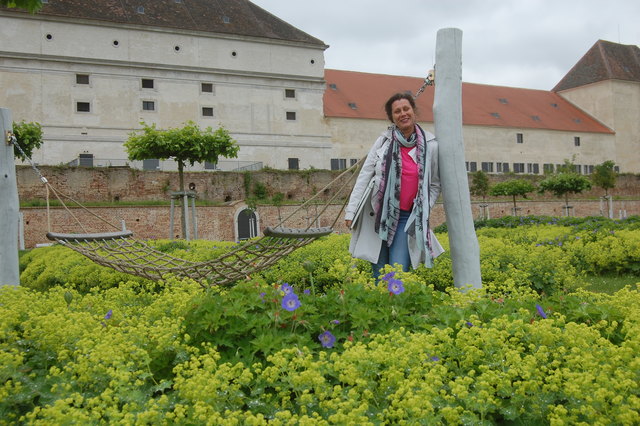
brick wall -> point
(228, 188)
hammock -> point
(121, 252)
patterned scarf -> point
(387, 199)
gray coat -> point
(365, 242)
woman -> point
(398, 184)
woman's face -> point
(403, 116)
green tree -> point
(512, 188)
(188, 144)
(563, 184)
(31, 5)
(479, 184)
(604, 176)
(28, 137)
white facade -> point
(267, 93)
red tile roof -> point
(604, 61)
(352, 94)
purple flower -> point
(290, 302)
(434, 358)
(335, 322)
(262, 295)
(395, 286)
(327, 339)
(108, 314)
(286, 288)
(469, 324)
(541, 311)
(307, 291)
(389, 276)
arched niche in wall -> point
(246, 223)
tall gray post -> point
(9, 206)
(447, 117)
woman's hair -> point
(397, 97)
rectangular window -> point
(82, 78)
(588, 170)
(472, 166)
(487, 167)
(83, 106)
(151, 164)
(209, 165)
(291, 115)
(533, 168)
(353, 161)
(294, 163)
(518, 167)
(577, 168)
(576, 140)
(519, 138)
(502, 167)
(207, 111)
(548, 168)
(206, 87)
(290, 93)
(148, 105)
(338, 163)
(147, 83)
(85, 160)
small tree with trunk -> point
(604, 176)
(512, 188)
(188, 144)
(563, 184)
(480, 188)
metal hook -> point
(11, 138)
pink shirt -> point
(408, 180)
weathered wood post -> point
(9, 206)
(447, 115)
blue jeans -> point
(399, 250)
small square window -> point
(533, 168)
(207, 111)
(472, 166)
(294, 163)
(82, 78)
(487, 167)
(338, 163)
(519, 138)
(147, 83)
(83, 106)
(289, 93)
(148, 105)
(291, 115)
(206, 87)
(209, 165)
(576, 140)
(518, 167)
(151, 164)
(548, 168)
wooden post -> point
(9, 205)
(447, 114)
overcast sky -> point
(519, 43)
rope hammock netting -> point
(120, 251)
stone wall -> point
(220, 222)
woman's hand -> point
(348, 223)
